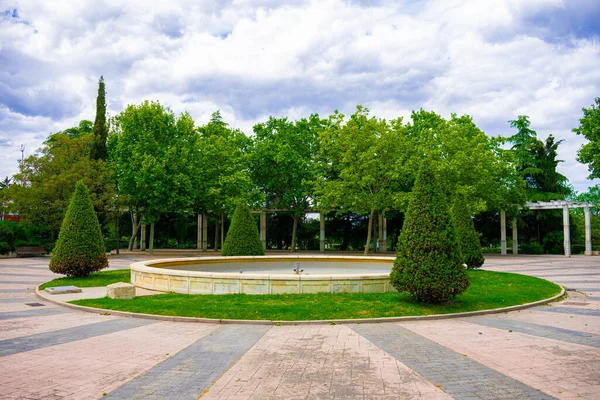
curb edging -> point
(128, 314)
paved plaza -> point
(553, 351)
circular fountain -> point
(265, 274)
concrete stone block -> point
(120, 290)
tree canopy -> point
(157, 163)
(153, 154)
(46, 180)
(589, 127)
(282, 164)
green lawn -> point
(101, 278)
(488, 290)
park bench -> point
(30, 251)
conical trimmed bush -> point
(79, 249)
(428, 263)
(468, 238)
(242, 238)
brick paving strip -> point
(16, 290)
(188, 373)
(10, 275)
(31, 313)
(571, 310)
(549, 332)
(34, 282)
(583, 289)
(590, 274)
(16, 299)
(319, 362)
(41, 340)
(33, 267)
(460, 376)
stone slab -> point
(63, 289)
(120, 290)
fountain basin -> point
(265, 275)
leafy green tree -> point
(589, 127)
(282, 163)
(360, 167)
(470, 162)
(242, 238)
(428, 262)
(154, 155)
(79, 249)
(98, 150)
(223, 178)
(4, 184)
(468, 238)
(42, 188)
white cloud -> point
(255, 58)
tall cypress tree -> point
(79, 249)
(429, 263)
(98, 150)
(243, 238)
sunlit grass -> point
(488, 290)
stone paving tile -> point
(15, 300)
(24, 290)
(570, 310)
(41, 340)
(576, 282)
(31, 326)
(85, 369)
(455, 373)
(561, 369)
(584, 289)
(578, 323)
(9, 275)
(36, 312)
(550, 332)
(19, 282)
(188, 373)
(567, 275)
(319, 362)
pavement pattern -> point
(552, 351)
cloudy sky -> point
(491, 59)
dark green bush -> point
(79, 249)
(577, 248)
(428, 263)
(468, 238)
(7, 235)
(531, 248)
(5, 248)
(490, 250)
(242, 238)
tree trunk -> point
(294, 231)
(369, 232)
(222, 227)
(135, 227)
(151, 246)
(215, 248)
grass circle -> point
(488, 290)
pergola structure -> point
(551, 205)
